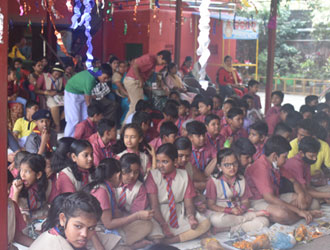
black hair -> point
(48, 155)
(252, 82)
(207, 101)
(174, 92)
(281, 127)
(234, 112)
(320, 132)
(327, 97)
(183, 143)
(227, 57)
(243, 104)
(196, 128)
(119, 146)
(54, 211)
(60, 159)
(185, 103)
(94, 108)
(230, 102)
(127, 160)
(169, 150)
(247, 96)
(112, 59)
(211, 117)
(106, 169)
(30, 104)
(306, 108)
(288, 108)
(167, 128)
(17, 59)
(161, 246)
(172, 102)
(166, 55)
(218, 97)
(188, 58)
(171, 110)
(277, 144)
(196, 99)
(76, 148)
(320, 117)
(293, 119)
(308, 125)
(19, 156)
(106, 69)
(310, 98)
(142, 105)
(280, 94)
(243, 146)
(11, 69)
(10, 177)
(79, 202)
(170, 66)
(322, 106)
(141, 117)
(222, 153)
(261, 127)
(37, 164)
(309, 144)
(105, 125)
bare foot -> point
(216, 230)
(316, 213)
(141, 244)
(262, 213)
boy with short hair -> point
(103, 140)
(227, 105)
(235, 129)
(24, 125)
(217, 105)
(201, 154)
(205, 107)
(323, 107)
(263, 178)
(258, 135)
(170, 113)
(42, 137)
(299, 167)
(253, 87)
(168, 133)
(214, 140)
(312, 100)
(307, 128)
(285, 110)
(244, 150)
(87, 127)
(273, 114)
(283, 130)
(143, 119)
(307, 111)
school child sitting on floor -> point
(272, 116)
(76, 224)
(307, 128)
(16, 223)
(31, 190)
(132, 142)
(78, 173)
(86, 128)
(23, 126)
(258, 136)
(244, 151)
(14, 166)
(214, 140)
(205, 106)
(167, 134)
(228, 198)
(283, 130)
(171, 193)
(253, 87)
(217, 105)
(183, 112)
(201, 157)
(42, 138)
(143, 119)
(103, 140)
(299, 167)
(235, 129)
(227, 105)
(170, 113)
(132, 227)
(307, 111)
(264, 178)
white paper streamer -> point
(203, 37)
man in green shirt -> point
(77, 96)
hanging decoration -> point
(29, 25)
(76, 15)
(109, 11)
(1, 27)
(214, 27)
(42, 26)
(37, 6)
(134, 13)
(246, 3)
(125, 28)
(191, 25)
(219, 18)
(160, 27)
(203, 40)
(21, 9)
(44, 4)
(157, 3)
(234, 22)
(69, 5)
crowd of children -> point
(201, 166)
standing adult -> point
(77, 96)
(228, 79)
(139, 72)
